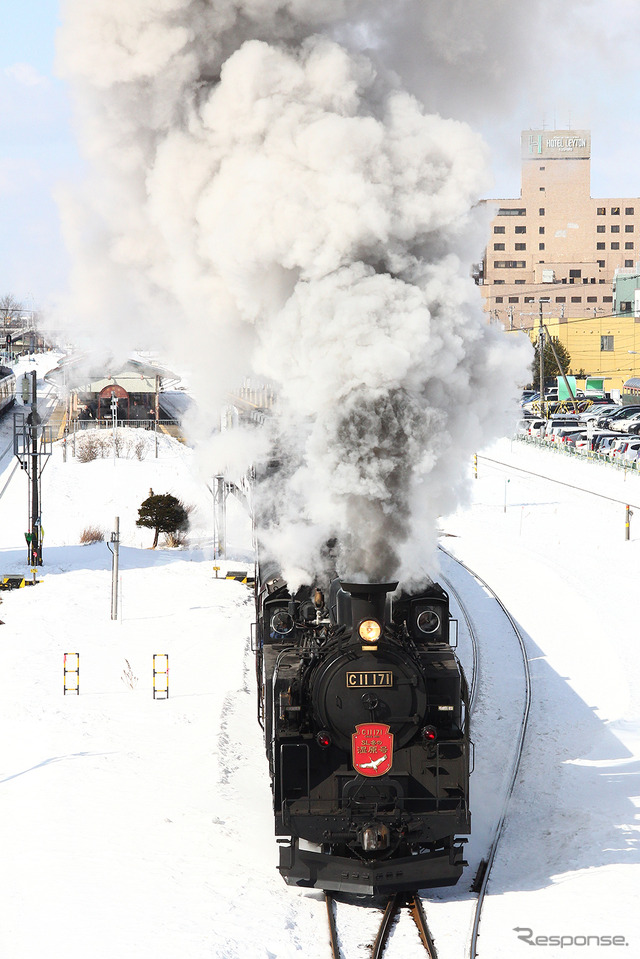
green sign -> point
(563, 392)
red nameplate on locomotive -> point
(372, 749)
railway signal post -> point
(32, 446)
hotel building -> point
(554, 242)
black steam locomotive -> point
(365, 714)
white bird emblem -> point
(374, 763)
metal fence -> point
(568, 449)
(76, 426)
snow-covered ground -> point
(140, 827)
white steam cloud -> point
(267, 199)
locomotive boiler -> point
(364, 707)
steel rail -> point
(333, 929)
(418, 915)
(493, 848)
(393, 907)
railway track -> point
(484, 871)
(394, 906)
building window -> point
(499, 229)
(521, 229)
(509, 264)
(543, 168)
(576, 299)
(599, 281)
(625, 306)
(600, 246)
(529, 299)
(628, 246)
(541, 246)
(575, 273)
(519, 282)
(616, 228)
(602, 211)
(514, 299)
(512, 211)
(542, 189)
(592, 299)
(501, 282)
(498, 246)
(600, 228)
(607, 299)
(629, 211)
(601, 264)
(521, 246)
(615, 211)
(606, 344)
(561, 299)
(628, 262)
(541, 211)
(540, 229)
(628, 228)
(499, 299)
(615, 246)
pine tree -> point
(550, 366)
(163, 513)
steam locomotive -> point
(7, 388)
(364, 707)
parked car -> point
(576, 436)
(604, 441)
(630, 424)
(617, 448)
(598, 412)
(622, 413)
(632, 451)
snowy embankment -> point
(136, 827)
(558, 559)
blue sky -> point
(37, 151)
(586, 79)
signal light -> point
(323, 738)
(369, 631)
(429, 734)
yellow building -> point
(598, 346)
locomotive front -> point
(363, 705)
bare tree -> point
(9, 309)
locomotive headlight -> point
(369, 631)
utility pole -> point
(114, 417)
(219, 516)
(115, 552)
(543, 408)
(564, 375)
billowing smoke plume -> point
(267, 199)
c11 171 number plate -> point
(370, 678)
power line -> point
(588, 492)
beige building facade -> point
(554, 242)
